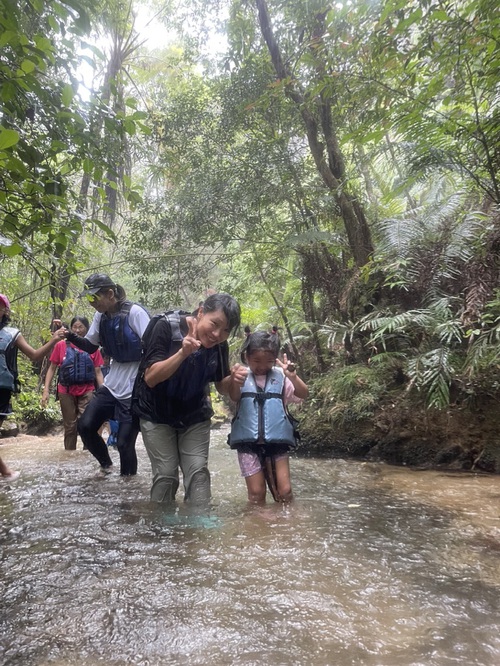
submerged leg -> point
(256, 487)
(160, 441)
(282, 476)
(193, 453)
(100, 409)
(164, 489)
(198, 491)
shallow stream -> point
(371, 565)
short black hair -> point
(82, 319)
(229, 306)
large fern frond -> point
(431, 373)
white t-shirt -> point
(121, 376)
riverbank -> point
(400, 432)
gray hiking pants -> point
(169, 448)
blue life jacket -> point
(77, 367)
(118, 340)
(262, 418)
(8, 359)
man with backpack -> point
(117, 326)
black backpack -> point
(8, 359)
(173, 321)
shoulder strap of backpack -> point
(174, 319)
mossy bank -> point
(355, 412)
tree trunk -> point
(320, 134)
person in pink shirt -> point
(262, 431)
(79, 372)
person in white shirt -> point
(117, 327)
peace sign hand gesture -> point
(189, 343)
(287, 367)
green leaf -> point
(67, 95)
(53, 24)
(129, 126)
(97, 52)
(104, 227)
(44, 44)
(145, 129)
(28, 66)
(8, 138)
(439, 15)
(9, 37)
(11, 250)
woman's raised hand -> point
(190, 344)
(58, 330)
(60, 334)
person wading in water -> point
(183, 353)
(262, 431)
(117, 326)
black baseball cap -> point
(96, 282)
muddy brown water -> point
(371, 565)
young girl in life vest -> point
(11, 340)
(262, 431)
(78, 374)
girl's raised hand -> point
(239, 374)
(190, 344)
(287, 367)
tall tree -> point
(320, 129)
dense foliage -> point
(335, 167)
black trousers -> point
(101, 408)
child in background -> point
(262, 431)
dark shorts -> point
(122, 408)
(5, 406)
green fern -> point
(431, 373)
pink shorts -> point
(250, 462)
